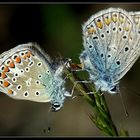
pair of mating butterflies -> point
(111, 47)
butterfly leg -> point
(102, 94)
(89, 93)
(75, 84)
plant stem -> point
(101, 115)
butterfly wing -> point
(131, 50)
(109, 38)
(26, 73)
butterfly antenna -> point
(137, 94)
(124, 107)
(48, 121)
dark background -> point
(57, 28)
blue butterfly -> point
(111, 40)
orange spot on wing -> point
(18, 59)
(107, 21)
(25, 56)
(6, 83)
(91, 30)
(10, 91)
(11, 64)
(28, 54)
(99, 24)
(6, 69)
(114, 18)
(3, 75)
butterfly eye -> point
(114, 89)
(55, 107)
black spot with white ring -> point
(102, 54)
(120, 29)
(26, 94)
(27, 69)
(90, 46)
(1, 82)
(21, 53)
(118, 62)
(31, 63)
(2, 68)
(26, 52)
(48, 71)
(126, 49)
(37, 82)
(114, 28)
(14, 79)
(39, 76)
(22, 71)
(19, 87)
(39, 64)
(124, 37)
(102, 35)
(109, 56)
(16, 74)
(95, 37)
(14, 56)
(8, 61)
(37, 93)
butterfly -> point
(111, 40)
(27, 73)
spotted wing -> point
(25, 73)
(111, 42)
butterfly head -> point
(56, 106)
(110, 89)
(114, 89)
(107, 87)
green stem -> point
(101, 115)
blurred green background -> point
(57, 28)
